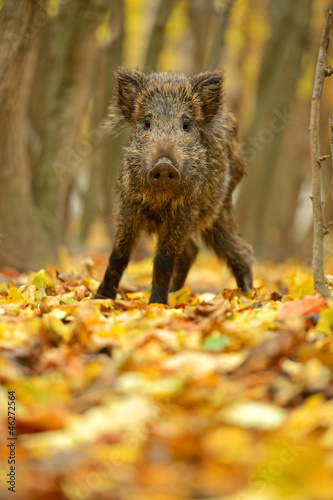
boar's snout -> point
(164, 175)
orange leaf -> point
(307, 305)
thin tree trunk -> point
(221, 22)
(200, 15)
(258, 206)
(22, 242)
(106, 158)
(73, 48)
(330, 126)
(156, 41)
(38, 97)
(238, 91)
(318, 223)
(328, 204)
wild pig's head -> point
(172, 120)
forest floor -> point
(217, 396)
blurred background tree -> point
(57, 166)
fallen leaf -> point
(325, 322)
(14, 295)
(180, 296)
(216, 343)
(301, 307)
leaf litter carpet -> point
(217, 396)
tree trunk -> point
(220, 25)
(106, 159)
(316, 162)
(264, 189)
(73, 50)
(156, 42)
(200, 15)
(21, 239)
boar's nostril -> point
(164, 175)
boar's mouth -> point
(164, 175)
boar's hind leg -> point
(225, 239)
(183, 263)
(125, 240)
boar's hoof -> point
(104, 293)
(164, 175)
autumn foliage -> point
(218, 395)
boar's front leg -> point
(170, 244)
(164, 263)
(126, 237)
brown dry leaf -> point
(268, 353)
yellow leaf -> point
(42, 279)
(56, 329)
(300, 283)
(13, 294)
(57, 313)
(29, 293)
(181, 296)
(325, 323)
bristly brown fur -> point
(206, 154)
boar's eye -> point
(186, 125)
(147, 124)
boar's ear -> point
(129, 82)
(209, 87)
